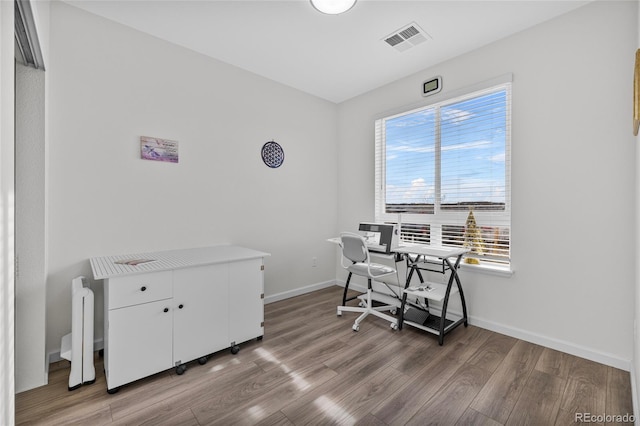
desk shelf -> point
(442, 260)
(425, 321)
(429, 322)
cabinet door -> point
(139, 342)
(246, 300)
(200, 311)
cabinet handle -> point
(143, 288)
(166, 309)
(180, 306)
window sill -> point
(487, 268)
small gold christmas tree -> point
(473, 238)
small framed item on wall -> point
(432, 86)
(157, 149)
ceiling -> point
(332, 57)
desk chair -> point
(354, 249)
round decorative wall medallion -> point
(272, 154)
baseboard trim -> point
(298, 291)
(539, 339)
(54, 356)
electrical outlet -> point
(314, 262)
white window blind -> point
(443, 172)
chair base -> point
(369, 309)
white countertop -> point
(106, 267)
(433, 251)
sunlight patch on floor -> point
(300, 383)
(297, 380)
(223, 365)
(266, 355)
(256, 412)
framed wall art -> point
(157, 149)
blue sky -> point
(473, 152)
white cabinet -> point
(200, 311)
(246, 300)
(139, 342)
(180, 306)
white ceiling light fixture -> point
(333, 7)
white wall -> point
(109, 85)
(31, 204)
(573, 182)
(7, 248)
(31, 364)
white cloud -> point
(498, 158)
(417, 192)
(467, 145)
(455, 116)
(424, 149)
(407, 148)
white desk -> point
(421, 257)
(179, 306)
(435, 259)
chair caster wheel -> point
(339, 313)
(355, 327)
(180, 369)
(393, 311)
(394, 326)
(235, 349)
(203, 360)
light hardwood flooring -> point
(312, 368)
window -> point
(443, 172)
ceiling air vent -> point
(406, 37)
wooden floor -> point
(311, 368)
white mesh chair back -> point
(354, 247)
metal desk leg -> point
(443, 314)
(411, 264)
(462, 300)
(453, 276)
(401, 319)
(411, 269)
(346, 288)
